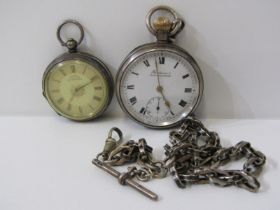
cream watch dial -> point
(158, 88)
(75, 89)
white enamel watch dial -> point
(160, 87)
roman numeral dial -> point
(158, 87)
(76, 89)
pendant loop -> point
(71, 43)
(163, 27)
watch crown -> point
(71, 44)
(162, 24)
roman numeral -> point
(134, 73)
(143, 110)
(60, 100)
(182, 103)
(80, 110)
(176, 65)
(97, 98)
(73, 69)
(161, 60)
(85, 69)
(98, 88)
(131, 87)
(133, 100)
(185, 76)
(94, 78)
(146, 62)
(90, 106)
(188, 90)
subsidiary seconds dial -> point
(159, 88)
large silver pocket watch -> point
(158, 84)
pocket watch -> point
(77, 85)
(158, 84)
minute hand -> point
(160, 88)
(79, 88)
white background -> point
(236, 44)
(45, 160)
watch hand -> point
(159, 86)
(160, 89)
(73, 94)
(79, 88)
(158, 105)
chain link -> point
(193, 162)
(134, 152)
(194, 156)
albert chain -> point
(193, 157)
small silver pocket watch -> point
(158, 84)
(77, 85)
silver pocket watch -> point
(77, 85)
(158, 84)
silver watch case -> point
(153, 47)
(92, 60)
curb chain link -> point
(194, 156)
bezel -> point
(91, 60)
(153, 47)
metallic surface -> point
(71, 44)
(58, 32)
(136, 152)
(191, 162)
(111, 143)
(124, 179)
(98, 64)
(163, 44)
(153, 47)
(178, 23)
(194, 156)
